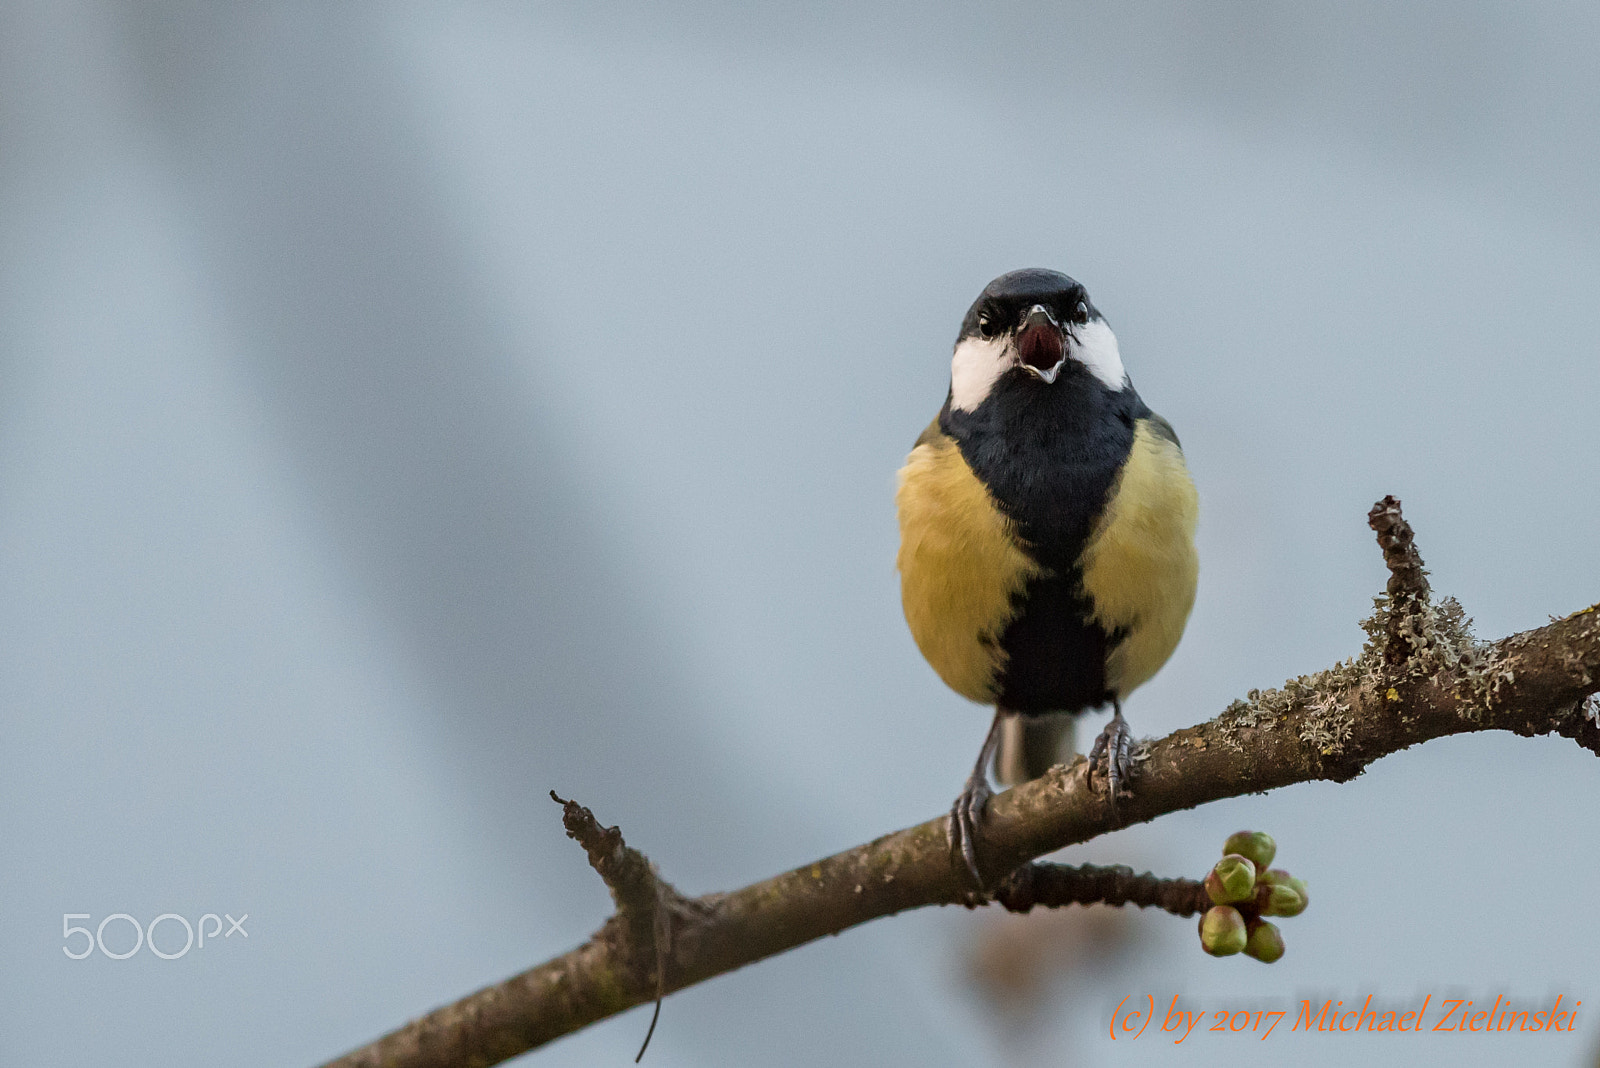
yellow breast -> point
(960, 566)
(1140, 567)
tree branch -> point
(1420, 677)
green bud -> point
(1279, 877)
(1222, 931)
(1233, 879)
(1283, 900)
(1265, 942)
(1258, 846)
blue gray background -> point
(408, 409)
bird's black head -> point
(1035, 323)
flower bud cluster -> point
(1243, 888)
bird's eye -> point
(987, 327)
(1083, 312)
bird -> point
(1047, 521)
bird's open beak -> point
(1041, 346)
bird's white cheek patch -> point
(1095, 346)
(977, 364)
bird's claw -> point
(965, 815)
(1112, 756)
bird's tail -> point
(1031, 745)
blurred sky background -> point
(408, 409)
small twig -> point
(626, 871)
(1408, 579)
(1046, 885)
(1398, 542)
(642, 897)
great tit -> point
(1047, 560)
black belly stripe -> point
(1055, 657)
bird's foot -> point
(965, 815)
(1112, 756)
